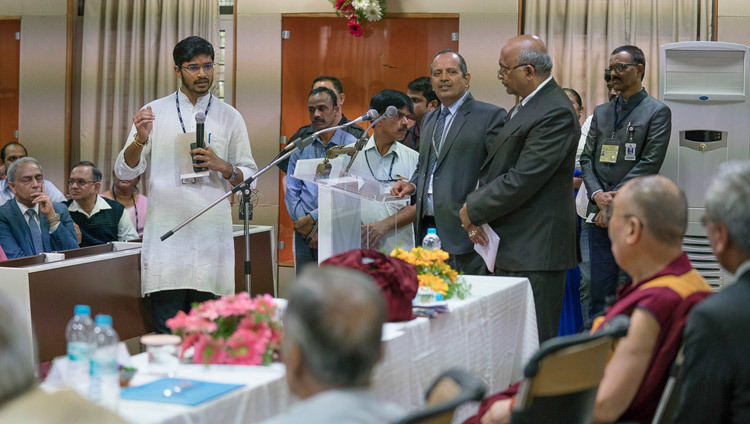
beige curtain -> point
(580, 35)
(126, 61)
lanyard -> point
(446, 128)
(390, 171)
(620, 121)
(179, 114)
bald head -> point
(659, 203)
(530, 49)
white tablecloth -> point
(491, 334)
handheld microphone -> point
(200, 119)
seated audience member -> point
(384, 159)
(332, 332)
(8, 154)
(21, 399)
(100, 220)
(31, 223)
(646, 223)
(424, 100)
(716, 371)
(126, 192)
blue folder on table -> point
(180, 391)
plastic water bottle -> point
(431, 241)
(105, 380)
(78, 334)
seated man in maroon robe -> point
(646, 223)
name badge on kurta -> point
(630, 151)
(610, 147)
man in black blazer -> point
(31, 223)
(453, 146)
(716, 371)
(525, 189)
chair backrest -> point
(449, 390)
(561, 380)
(669, 403)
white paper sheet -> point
(489, 252)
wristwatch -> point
(234, 174)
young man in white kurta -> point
(201, 255)
(383, 159)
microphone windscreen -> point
(391, 111)
(371, 114)
(200, 118)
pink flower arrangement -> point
(233, 329)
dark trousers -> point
(167, 303)
(548, 288)
(303, 254)
(605, 274)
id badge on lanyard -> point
(610, 148)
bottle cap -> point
(431, 231)
(103, 320)
(82, 310)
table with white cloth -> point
(491, 334)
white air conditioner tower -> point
(705, 84)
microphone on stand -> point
(390, 112)
(200, 119)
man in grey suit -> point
(453, 145)
(628, 138)
(716, 385)
(525, 189)
(31, 223)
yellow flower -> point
(434, 282)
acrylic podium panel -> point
(346, 203)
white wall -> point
(42, 80)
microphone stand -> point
(244, 187)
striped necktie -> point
(36, 234)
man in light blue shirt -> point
(9, 154)
(301, 197)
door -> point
(10, 49)
(390, 54)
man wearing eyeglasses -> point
(100, 220)
(31, 223)
(628, 138)
(196, 263)
(384, 159)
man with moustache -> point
(525, 189)
(196, 263)
(10, 153)
(334, 84)
(31, 223)
(424, 100)
(453, 147)
(301, 198)
(628, 138)
(385, 160)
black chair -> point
(449, 390)
(669, 403)
(561, 379)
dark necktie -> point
(36, 234)
(437, 139)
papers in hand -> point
(488, 252)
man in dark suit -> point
(525, 190)
(716, 385)
(31, 224)
(453, 145)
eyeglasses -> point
(193, 68)
(79, 182)
(505, 69)
(619, 67)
